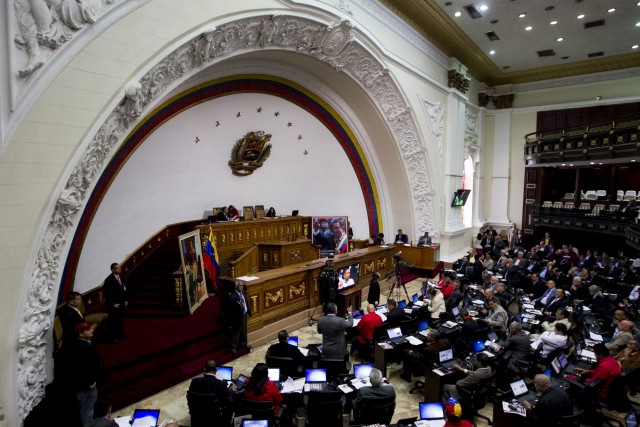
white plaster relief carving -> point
(46, 25)
(343, 5)
(331, 44)
(470, 127)
(435, 112)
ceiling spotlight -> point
(600, 163)
(522, 15)
(484, 7)
(553, 22)
(457, 14)
(528, 28)
(492, 52)
(592, 163)
(613, 9)
(580, 16)
(599, 98)
(564, 164)
(559, 39)
(637, 24)
(635, 46)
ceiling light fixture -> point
(553, 22)
(592, 163)
(599, 98)
(637, 24)
(457, 14)
(613, 9)
(484, 7)
(580, 16)
(492, 52)
(528, 28)
(559, 39)
(635, 46)
(522, 15)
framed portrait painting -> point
(193, 269)
(330, 233)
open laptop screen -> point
(492, 336)
(478, 346)
(293, 341)
(631, 419)
(563, 360)
(445, 355)
(362, 371)
(145, 417)
(224, 373)
(455, 311)
(316, 375)
(423, 325)
(255, 423)
(274, 374)
(402, 304)
(555, 365)
(394, 332)
(431, 410)
(414, 298)
(382, 309)
(519, 388)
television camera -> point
(400, 267)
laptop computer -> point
(381, 309)
(455, 311)
(432, 413)
(293, 341)
(402, 304)
(145, 417)
(240, 382)
(395, 336)
(414, 298)
(315, 380)
(362, 370)
(522, 393)
(492, 337)
(255, 423)
(631, 420)
(225, 373)
(445, 359)
(295, 212)
(478, 346)
(274, 376)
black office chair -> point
(475, 399)
(288, 366)
(324, 408)
(573, 420)
(409, 326)
(380, 333)
(375, 410)
(334, 367)
(206, 410)
(260, 410)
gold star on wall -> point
(259, 110)
(277, 113)
(217, 123)
(289, 124)
(197, 140)
(299, 137)
(238, 114)
(306, 152)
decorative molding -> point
(503, 101)
(330, 44)
(273, 298)
(458, 81)
(343, 5)
(470, 127)
(297, 291)
(483, 99)
(435, 113)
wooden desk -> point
(424, 257)
(380, 356)
(351, 297)
(433, 385)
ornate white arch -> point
(332, 44)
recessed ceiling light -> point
(528, 28)
(522, 15)
(600, 163)
(565, 57)
(559, 39)
(613, 9)
(580, 16)
(599, 98)
(570, 164)
(553, 22)
(633, 160)
(457, 14)
(492, 52)
(484, 7)
(635, 46)
(494, 21)
(637, 24)
(549, 8)
(592, 163)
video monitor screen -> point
(460, 198)
(478, 346)
(445, 355)
(274, 374)
(316, 375)
(402, 304)
(414, 298)
(330, 233)
(145, 417)
(423, 325)
(431, 410)
(362, 371)
(348, 276)
(293, 341)
(255, 423)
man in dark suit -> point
(70, 316)
(115, 294)
(561, 300)
(210, 384)
(332, 329)
(377, 389)
(223, 215)
(239, 310)
(517, 352)
(400, 237)
(283, 349)
(538, 286)
(395, 315)
(552, 405)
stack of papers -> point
(358, 383)
(449, 324)
(418, 303)
(304, 351)
(413, 340)
(293, 386)
(595, 337)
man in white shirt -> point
(552, 340)
(561, 317)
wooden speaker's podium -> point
(350, 297)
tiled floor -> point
(173, 402)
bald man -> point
(553, 403)
(621, 337)
(367, 324)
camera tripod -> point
(396, 284)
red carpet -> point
(162, 352)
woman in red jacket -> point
(260, 388)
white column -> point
(499, 179)
(454, 156)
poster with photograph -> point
(193, 269)
(330, 233)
